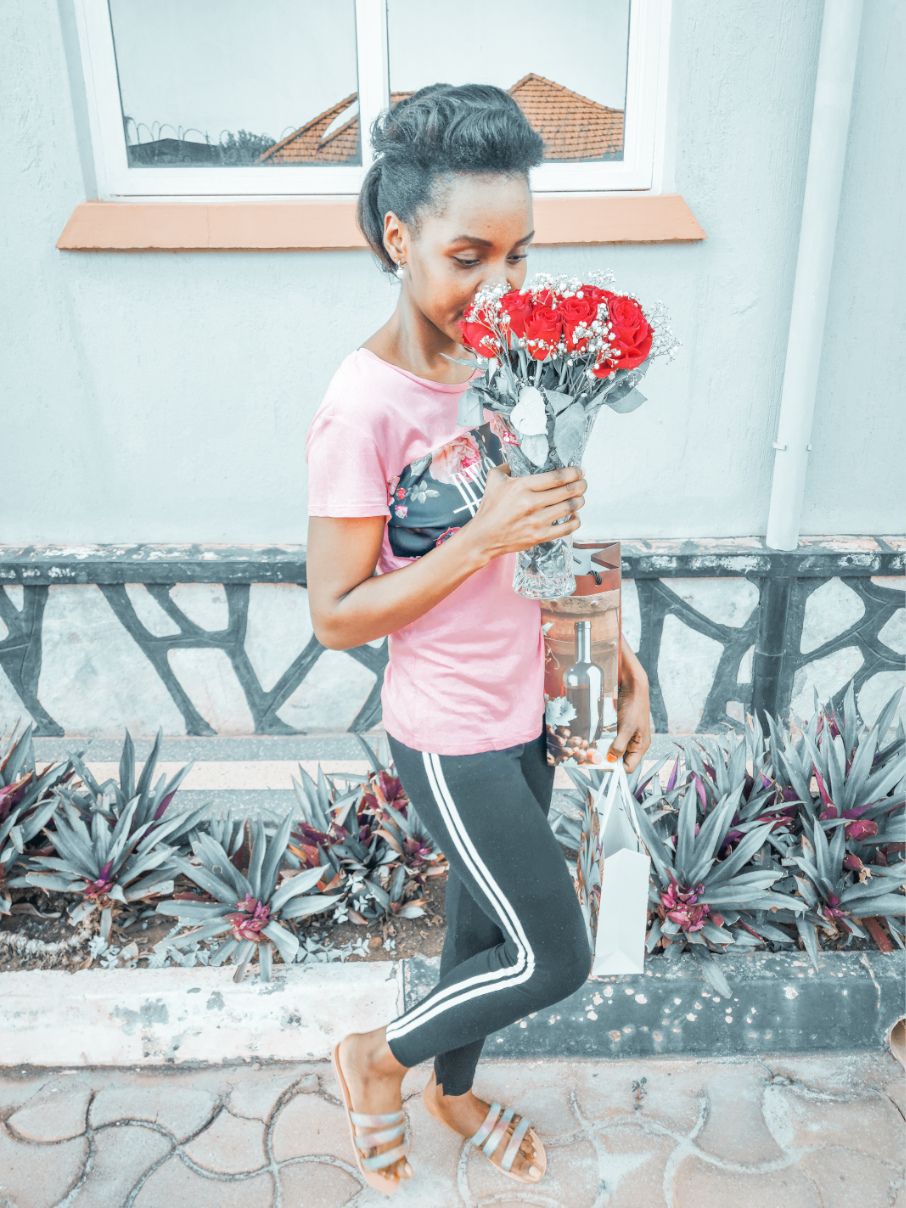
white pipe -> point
(823, 183)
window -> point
(213, 98)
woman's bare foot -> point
(466, 1113)
(374, 1078)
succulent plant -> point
(27, 803)
(104, 862)
(111, 841)
(252, 904)
(111, 798)
(398, 823)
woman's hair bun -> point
(438, 130)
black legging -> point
(516, 940)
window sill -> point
(309, 225)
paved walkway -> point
(820, 1132)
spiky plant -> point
(252, 904)
(112, 842)
(397, 821)
(103, 862)
(28, 801)
(111, 798)
(27, 804)
(839, 901)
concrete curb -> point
(153, 1017)
(158, 1017)
(780, 1004)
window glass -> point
(566, 69)
(226, 83)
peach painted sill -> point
(277, 226)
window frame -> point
(638, 171)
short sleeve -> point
(346, 472)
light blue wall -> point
(165, 397)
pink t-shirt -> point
(468, 676)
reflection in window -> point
(225, 83)
(567, 75)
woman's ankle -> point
(373, 1055)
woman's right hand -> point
(517, 513)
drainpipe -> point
(823, 182)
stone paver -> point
(181, 1110)
(56, 1113)
(123, 1153)
(174, 1184)
(39, 1176)
(309, 1124)
(735, 1130)
(803, 1132)
(699, 1184)
(304, 1183)
(850, 1180)
(255, 1094)
(229, 1145)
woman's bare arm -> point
(350, 605)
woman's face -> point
(477, 234)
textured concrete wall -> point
(166, 397)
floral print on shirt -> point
(436, 495)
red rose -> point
(632, 336)
(518, 306)
(478, 335)
(543, 330)
(574, 311)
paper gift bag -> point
(612, 872)
(582, 659)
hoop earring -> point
(401, 271)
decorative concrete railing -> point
(217, 639)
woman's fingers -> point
(551, 479)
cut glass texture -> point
(227, 83)
(566, 69)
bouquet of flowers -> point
(554, 353)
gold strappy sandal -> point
(367, 1131)
(492, 1132)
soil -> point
(41, 916)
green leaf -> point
(369, 753)
(201, 876)
(302, 882)
(713, 974)
(742, 853)
(192, 911)
(302, 907)
(889, 903)
(285, 942)
(274, 857)
(157, 883)
(256, 860)
(809, 939)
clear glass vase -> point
(544, 572)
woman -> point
(414, 529)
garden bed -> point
(36, 934)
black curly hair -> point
(425, 138)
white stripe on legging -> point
(482, 983)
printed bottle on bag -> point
(583, 683)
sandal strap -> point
(369, 1140)
(485, 1130)
(512, 1149)
(380, 1160)
(497, 1135)
(366, 1121)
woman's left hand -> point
(633, 711)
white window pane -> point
(566, 70)
(225, 83)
